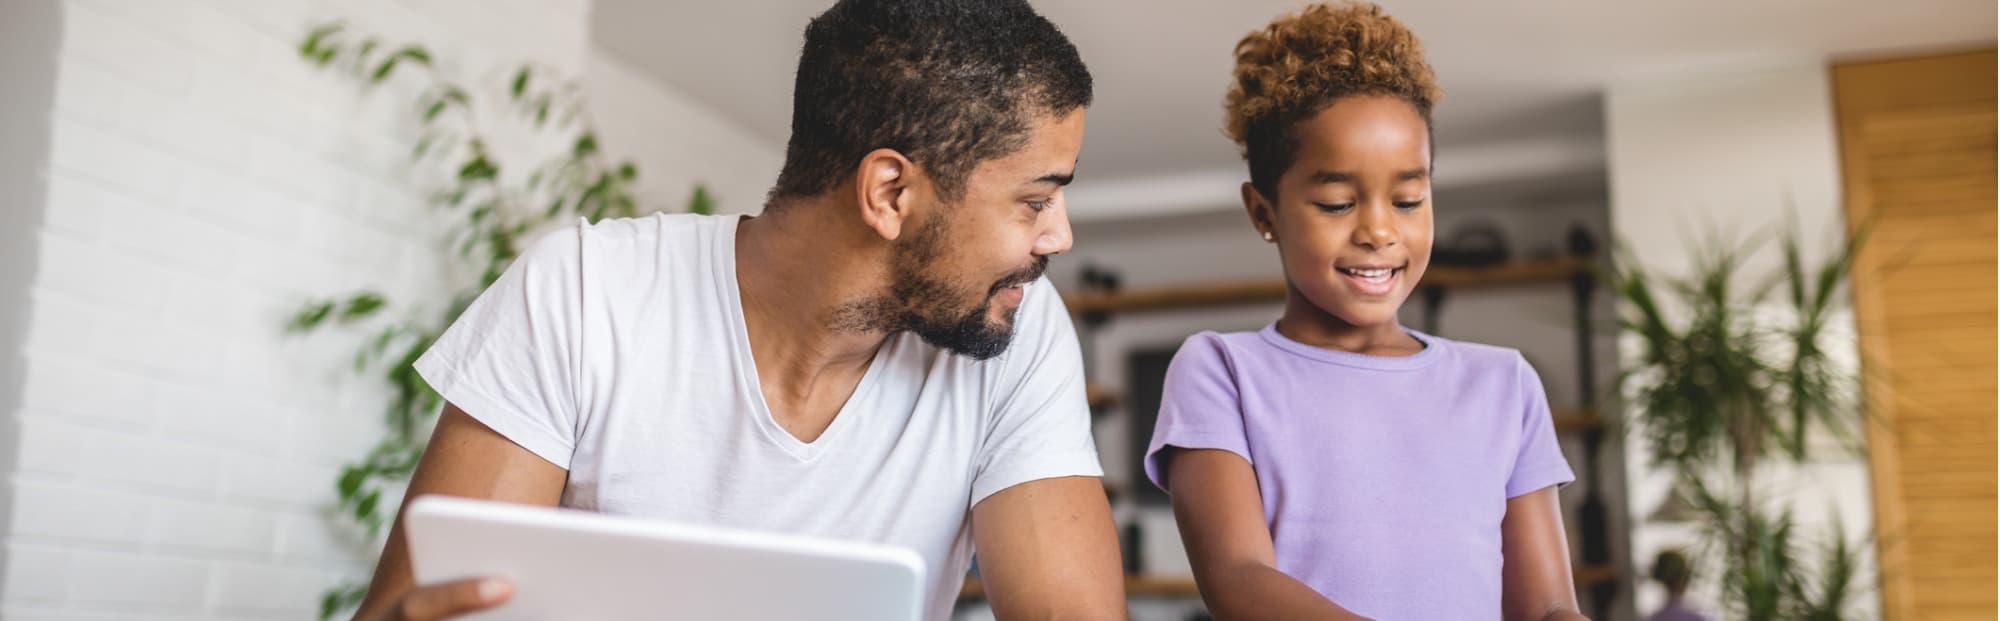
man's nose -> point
(1054, 237)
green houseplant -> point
(488, 213)
(1721, 385)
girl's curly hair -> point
(1301, 63)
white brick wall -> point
(175, 452)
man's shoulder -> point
(653, 229)
(660, 231)
(632, 264)
(640, 245)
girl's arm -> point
(1221, 517)
(1535, 582)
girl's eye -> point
(1337, 208)
(1041, 204)
(1409, 204)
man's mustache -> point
(1023, 276)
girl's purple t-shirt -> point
(1384, 478)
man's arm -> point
(464, 459)
(1535, 580)
(1221, 517)
(1048, 549)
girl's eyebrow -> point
(1331, 176)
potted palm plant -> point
(1727, 377)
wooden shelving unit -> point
(1176, 586)
(1593, 575)
(1544, 271)
(1570, 420)
(1135, 586)
(1566, 420)
(1099, 399)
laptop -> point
(568, 564)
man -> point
(873, 358)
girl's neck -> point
(1306, 323)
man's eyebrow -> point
(1055, 178)
(1058, 178)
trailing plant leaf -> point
(315, 40)
(361, 306)
(309, 317)
(411, 54)
(478, 169)
(341, 598)
(700, 201)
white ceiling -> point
(1525, 74)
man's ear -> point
(1259, 208)
(882, 186)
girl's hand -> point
(1535, 582)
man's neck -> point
(796, 267)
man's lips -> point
(1011, 295)
(1022, 278)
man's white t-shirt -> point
(618, 351)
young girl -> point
(1336, 465)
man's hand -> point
(468, 460)
(1048, 549)
(444, 601)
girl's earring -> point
(1269, 237)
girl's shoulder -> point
(1479, 362)
(1209, 347)
(1211, 340)
(1475, 355)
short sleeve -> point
(511, 360)
(1038, 426)
(1540, 462)
(1199, 407)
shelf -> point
(1170, 586)
(1154, 586)
(1577, 419)
(1542, 271)
(1593, 575)
(1099, 399)
(1135, 586)
(1175, 298)
(1513, 273)
(1567, 420)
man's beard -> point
(935, 308)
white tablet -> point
(578, 565)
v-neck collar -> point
(746, 363)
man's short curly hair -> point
(947, 83)
(1301, 63)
